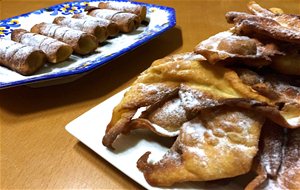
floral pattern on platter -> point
(7, 25)
(69, 8)
(159, 19)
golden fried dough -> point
(185, 71)
(278, 163)
(219, 143)
(276, 28)
(200, 85)
(231, 48)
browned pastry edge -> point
(25, 62)
(231, 49)
(84, 45)
(139, 10)
(271, 112)
(56, 51)
(247, 24)
(277, 163)
(126, 24)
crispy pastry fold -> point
(267, 27)
(278, 162)
(231, 48)
(219, 143)
(189, 83)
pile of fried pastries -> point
(233, 105)
(28, 51)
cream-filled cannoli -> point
(23, 59)
(127, 22)
(56, 51)
(111, 27)
(126, 7)
(81, 42)
(88, 26)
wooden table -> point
(37, 152)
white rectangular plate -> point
(90, 127)
(160, 20)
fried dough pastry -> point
(85, 25)
(279, 89)
(191, 84)
(199, 85)
(127, 22)
(278, 162)
(291, 22)
(163, 118)
(139, 10)
(279, 27)
(288, 64)
(229, 47)
(231, 134)
(81, 42)
(111, 27)
(23, 59)
(56, 51)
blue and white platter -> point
(160, 19)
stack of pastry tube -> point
(55, 50)
(126, 7)
(127, 22)
(20, 58)
(85, 25)
(81, 42)
(81, 34)
(112, 28)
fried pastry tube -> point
(81, 42)
(126, 7)
(112, 28)
(127, 22)
(88, 26)
(20, 58)
(56, 51)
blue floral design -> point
(6, 25)
(68, 8)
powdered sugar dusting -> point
(11, 51)
(229, 140)
(156, 127)
(22, 54)
(8, 49)
(155, 157)
(161, 18)
(104, 13)
(100, 21)
(64, 34)
(123, 6)
(79, 24)
(116, 16)
(192, 99)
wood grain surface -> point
(37, 152)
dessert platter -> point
(225, 115)
(68, 40)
